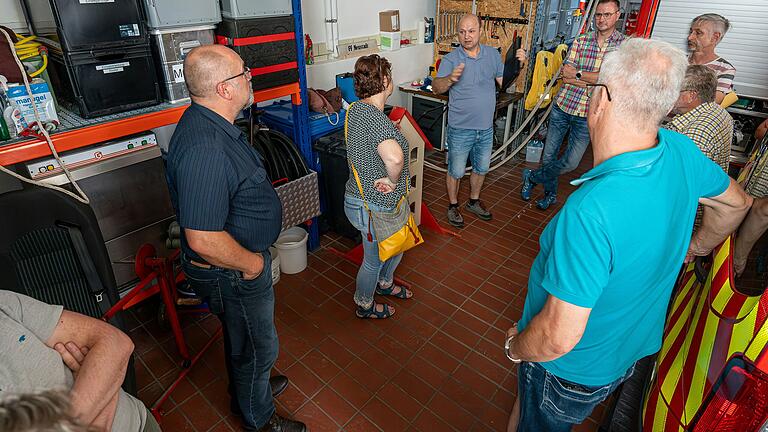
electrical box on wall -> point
(254, 9)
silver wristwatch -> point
(506, 350)
(578, 75)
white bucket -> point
(275, 265)
(292, 248)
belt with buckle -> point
(199, 264)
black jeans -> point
(246, 310)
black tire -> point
(626, 413)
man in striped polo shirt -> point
(706, 32)
(569, 114)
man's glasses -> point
(605, 15)
(246, 72)
(589, 90)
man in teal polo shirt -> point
(599, 289)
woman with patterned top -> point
(379, 153)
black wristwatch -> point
(578, 75)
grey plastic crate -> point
(171, 47)
(163, 14)
(253, 9)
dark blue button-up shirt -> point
(217, 182)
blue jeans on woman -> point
(561, 123)
(552, 404)
(373, 271)
(246, 309)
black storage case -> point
(103, 82)
(261, 55)
(93, 24)
(332, 150)
(429, 116)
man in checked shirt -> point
(569, 114)
(700, 118)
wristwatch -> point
(578, 74)
(506, 350)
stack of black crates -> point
(100, 60)
(262, 32)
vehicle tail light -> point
(738, 401)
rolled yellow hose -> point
(26, 48)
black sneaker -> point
(282, 424)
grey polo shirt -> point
(472, 100)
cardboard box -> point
(389, 21)
(390, 41)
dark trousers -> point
(246, 310)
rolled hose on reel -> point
(282, 159)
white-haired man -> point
(599, 288)
(706, 32)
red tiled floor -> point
(437, 365)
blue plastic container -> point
(279, 116)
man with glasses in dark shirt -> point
(230, 215)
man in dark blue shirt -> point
(230, 215)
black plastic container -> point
(102, 82)
(272, 62)
(429, 115)
(92, 24)
(334, 173)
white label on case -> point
(178, 73)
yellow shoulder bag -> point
(396, 231)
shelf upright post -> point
(301, 114)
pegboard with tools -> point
(508, 24)
(449, 13)
(504, 23)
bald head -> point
(470, 19)
(208, 65)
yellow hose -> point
(26, 48)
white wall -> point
(408, 64)
(361, 17)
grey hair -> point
(47, 411)
(644, 77)
(721, 23)
(702, 80)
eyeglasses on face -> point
(246, 73)
(606, 15)
(590, 89)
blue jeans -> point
(246, 310)
(551, 167)
(373, 271)
(465, 143)
(552, 404)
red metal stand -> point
(160, 270)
